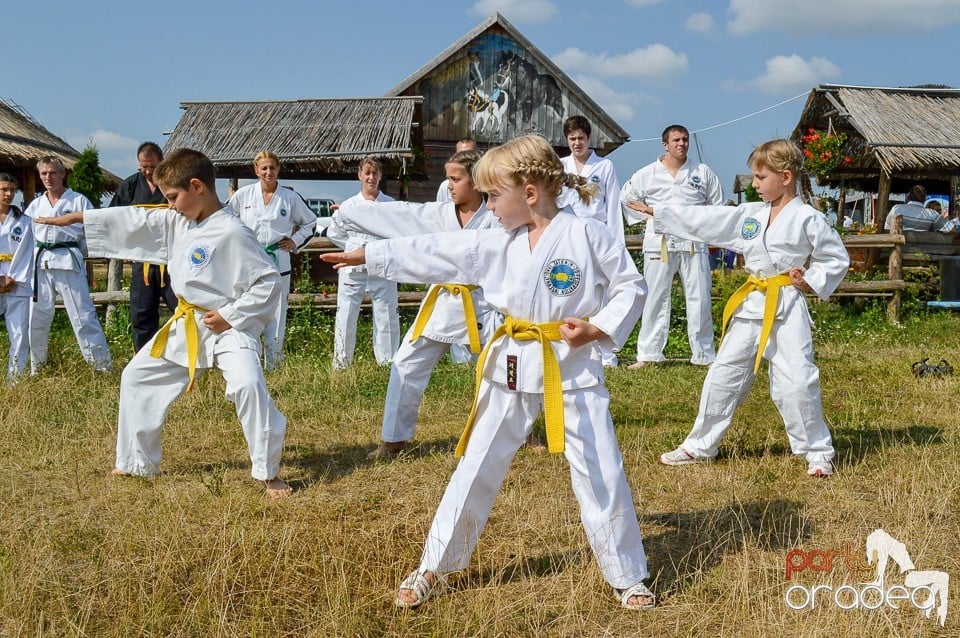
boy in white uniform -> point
(789, 249)
(605, 206)
(441, 322)
(283, 224)
(353, 283)
(673, 180)
(228, 289)
(59, 268)
(545, 271)
(16, 277)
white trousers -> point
(274, 333)
(351, 287)
(694, 273)
(16, 316)
(149, 385)
(72, 286)
(504, 419)
(409, 375)
(794, 386)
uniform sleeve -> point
(626, 293)
(305, 219)
(633, 191)
(829, 261)
(129, 232)
(256, 305)
(336, 232)
(614, 216)
(21, 266)
(716, 225)
(714, 191)
(389, 220)
(428, 259)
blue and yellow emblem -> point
(750, 228)
(198, 257)
(562, 277)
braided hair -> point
(528, 159)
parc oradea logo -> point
(924, 590)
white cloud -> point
(654, 61)
(791, 73)
(701, 22)
(118, 154)
(529, 11)
(643, 3)
(840, 16)
(620, 106)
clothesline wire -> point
(733, 121)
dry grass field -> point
(199, 551)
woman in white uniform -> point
(283, 224)
(16, 274)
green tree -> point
(751, 195)
(86, 177)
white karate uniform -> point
(458, 353)
(799, 236)
(271, 223)
(443, 192)
(16, 244)
(577, 268)
(352, 283)
(604, 206)
(415, 360)
(61, 270)
(217, 264)
(694, 184)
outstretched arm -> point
(62, 220)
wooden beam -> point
(883, 200)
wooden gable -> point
(494, 84)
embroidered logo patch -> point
(511, 372)
(695, 182)
(283, 212)
(17, 233)
(562, 277)
(750, 228)
(199, 257)
(595, 179)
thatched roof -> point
(23, 141)
(607, 133)
(315, 139)
(911, 134)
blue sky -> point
(116, 72)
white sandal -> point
(639, 589)
(417, 583)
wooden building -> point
(23, 141)
(896, 137)
(492, 85)
(314, 139)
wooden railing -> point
(890, 287)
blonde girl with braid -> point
(565, 285)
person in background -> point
(149, 283)
(916, 217)
(353, 283)
(59, 268)
(605, 205)
(16, 275)
(283, 224)
(673, 180)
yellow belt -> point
(552, 388)
(664, 253)
(469, 312)
(6, 256)
(770, 286)
(188, 311)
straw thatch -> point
(23, 141)
(908, 134)
(315, 139)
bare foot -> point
(533, 443)
(386, 450)
(277, 488)
(118, 472)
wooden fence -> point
(888, 246)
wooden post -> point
(29, 185)
(841, 204)
(895, 271)
(232, 186)
(883, 200)
(954, 193)
(114, 283)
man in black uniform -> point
(147, 285)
